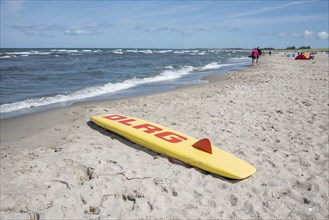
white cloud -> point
(44, 29)
(307, 34)
(34, 29)
(297, 34)
(323, 35)
(77, 31)
(84, 30)
(282, 34)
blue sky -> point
(164, 24)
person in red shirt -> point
(254, 56)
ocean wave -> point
(148, 51)
(185, 51)
(168, 74)
(5, 57)
(26, 53)
(212, 66)
(95, 91)
(239, 59)
(164, 51)
(118, 51)
(171, 70)
(65, 50)
(12, 54)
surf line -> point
(168, 136)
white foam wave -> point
(238, 59)
(49, 52)
(5, 57)
(18, 53)
(65, 50)
(170, 73)
(163, 51)
(94, 91)
(212, 66)
(27, 53)
(193, 52)
(118, 51)
(32, 52)
(146, 51)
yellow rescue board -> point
(176, 145)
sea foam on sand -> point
(59, 165)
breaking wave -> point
(168, 74)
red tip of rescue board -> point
(203, 145)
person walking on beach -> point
(259, 51)
(254, 56)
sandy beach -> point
(59, 165)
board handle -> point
(204, 145)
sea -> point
(34, 80)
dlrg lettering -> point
(147, 128)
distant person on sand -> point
(259, 51)
(312, 56)
(254, 57)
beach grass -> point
(319, 50)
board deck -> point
(198, 153)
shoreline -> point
(39, 120)
(56, 164)
(18, 121)
(96, 88)
(214, 76)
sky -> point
(163, 24)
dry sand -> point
(59, 165)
